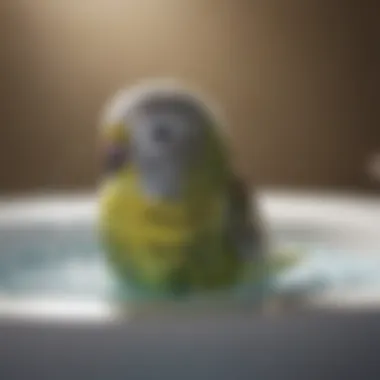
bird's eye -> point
(173, 126)
(162, 132)
(163, 128)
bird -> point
(175, 219)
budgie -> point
(174, 216)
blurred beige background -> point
(297, 80)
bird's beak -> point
(114, 147)
(115, 158)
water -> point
(61, 262)
(67, 262)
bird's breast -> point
(140, 222)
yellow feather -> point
(131, 218)
(115, 133)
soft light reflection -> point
(358, 212)
(60, 310)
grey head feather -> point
(166, 141)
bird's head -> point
(165, 131)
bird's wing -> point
(244, 222)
